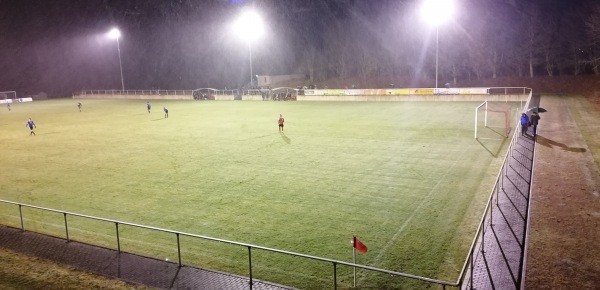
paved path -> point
(127, 267)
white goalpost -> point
(7, 97)
(487, 116)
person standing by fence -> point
(535, 118)
(524, 123)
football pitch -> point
(407, 178)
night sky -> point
(59, 47)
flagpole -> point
(354, 258)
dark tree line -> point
(188, 44)
(486, 39)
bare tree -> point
(593, 30)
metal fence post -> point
(483, 236)
(250, 264)
(118, 240)
(178, 250)
(21, 215)
(334, 276)
(66, 226)
(472, 268)
(492, 208)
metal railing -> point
(491, 91)
(157, 92)
(133, 92)
(334, 263)
(508, 90)
(215, 91)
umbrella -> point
(537, 110)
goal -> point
(492, 120)
(4, 96)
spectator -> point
(524, 123)
(535, 118)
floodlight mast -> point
(437, 12)
(249, 26)
(116, 34)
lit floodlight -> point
(114, 33)
(249, 26)
(437, 12)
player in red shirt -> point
(281, 120)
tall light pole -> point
(116, 34)
(249, 26)
(437, 12)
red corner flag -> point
(359, 246)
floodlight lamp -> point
(114, 33)
(249, 26)
(437, 12)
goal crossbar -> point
(486, 109)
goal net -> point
(492, 121)
(7, 97)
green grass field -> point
(407, 178)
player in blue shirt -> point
(166, 112)
(148, 106)
(31, 125)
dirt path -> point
(564, 238)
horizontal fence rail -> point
(210, 91)
(508, 90)
(324, 92)
(250, 247)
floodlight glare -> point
(249, 26)
(114, 33)
(437, 12)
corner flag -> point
(359, 246)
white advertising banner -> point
(354, 92)
(313, 92)
(444, 91)
(19, 100)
